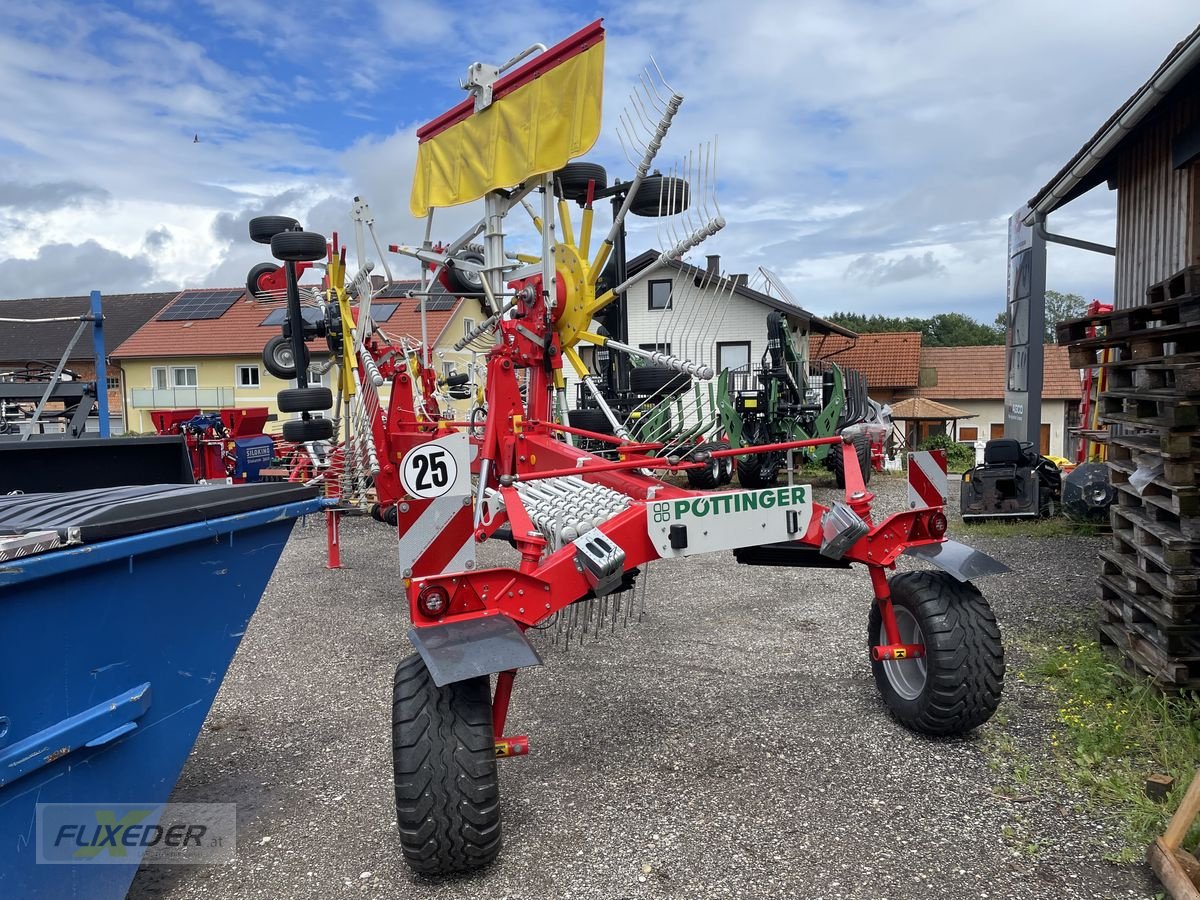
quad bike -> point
(584, 527)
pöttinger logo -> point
(136, 833)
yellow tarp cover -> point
(534, 129)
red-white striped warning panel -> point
(927, 478)
(435, 521)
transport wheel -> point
(589, 420)
(264, 228)
(660, 195)
(956, 686)
(256, 274)
(460, 281)
(835, 463)
(309, 399)
(278, 359)
(571, 181)
(301, 431)
(299, 246)
(444, 771)
(657, 381)
(710, 476)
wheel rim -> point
(284, 357)
(906, 676)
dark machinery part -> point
(1014, 482)
(1087, 493)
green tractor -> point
(781, 401)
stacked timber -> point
(1150, 576)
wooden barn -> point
(1149, 153)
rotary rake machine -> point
(585, 526)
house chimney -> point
(714, 265)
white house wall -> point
(730, 318)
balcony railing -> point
(182, 398)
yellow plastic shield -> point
(542, 115)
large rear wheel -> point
(444, 767)
(956, 685)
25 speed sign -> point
(429, 470)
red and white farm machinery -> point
(584, 526)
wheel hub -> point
(907, 676)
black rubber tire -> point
(459, 282)
(444, 771)
(264, 228)
(710, 476)
(657, 381)
(660, 195)
(835, 463)
(299, 246)
(571, 181)
(256, 273)
(727, 469)
(308, 399)
(757, 471)
(590, 420)
(964, 656)
(276, 347)
(301, 431)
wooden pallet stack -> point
(1150, 576)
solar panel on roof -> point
(192, 305)
(311, 314)
(394, 291)
(440, 303)
(381, 312)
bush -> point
(959, 457)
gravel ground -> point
(731, 744)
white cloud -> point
(882, 139)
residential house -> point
(891, 361)
(25, 342)
(205, 349)
(972, 379)
(698, 314)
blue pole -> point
(101, 365)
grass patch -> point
(1113, 731)
(1056, 526)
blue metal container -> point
(112, 653)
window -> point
(660, 294)
(316, 378)
(247, 377)
(158, 378)
(468, 326)
(656, 348)
(733, 355)
(968, 433)
(113, 382)
(184, 376)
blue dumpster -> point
(120, 610)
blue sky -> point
(870, 152)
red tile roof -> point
(977, 373)
(888, 359)
(240, 332)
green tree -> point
(1059, 308)
(941, 330)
